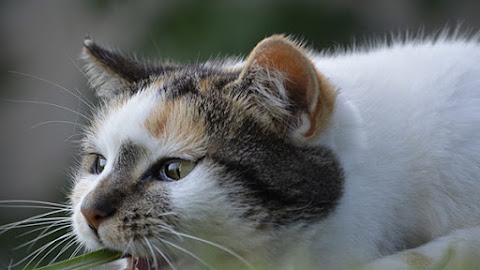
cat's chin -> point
(144, 263)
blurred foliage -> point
(102, 6)
(203, 29)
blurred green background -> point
(43, 38)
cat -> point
(358, 158)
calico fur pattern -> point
(392, 162)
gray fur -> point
(284, 182)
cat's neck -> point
(344, 134)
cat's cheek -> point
(203, 207)
(197, 193)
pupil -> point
(174, 170)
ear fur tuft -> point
(111, 72)
(309, 91)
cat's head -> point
(204, 155)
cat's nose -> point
(95, 216)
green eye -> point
(174, 170)
(98, 165)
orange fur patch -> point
(205, 85)
(323, 109)
(156, 121)
(175, 123)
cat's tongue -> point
(141, 264)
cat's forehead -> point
(153, 119)
(196, 78)
(176, 112)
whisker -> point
(80, 93)
(155, 262)
(31, 231)
(57, 223)
(75, 252)
(33, 241)
(71, 243)
(165, 257)
(36, 217)
(187, 252)
(227, 250)
(86, 77)
(132, 252)
(48, 104)
(34, 221)
(37, 252)
(30, 220)
(65, 206)
(34, 207)
(150, 210)
(71, 136)
(76, 117)
(128, 246)
(148, 265)
(54, 84)
(52, 249)
(40, 224)
(168, 228)
(57, 122)
(164, 214)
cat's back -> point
(417, 89)
(404, 69)
(418, 110)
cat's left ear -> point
(311, 96)
(110, 72)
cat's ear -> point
(310, 95)
(110, 72)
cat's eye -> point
(98, 164)
(176, 169)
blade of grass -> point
(88, 260)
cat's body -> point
(408, 139)
(352, 157)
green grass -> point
(301, 260)
(92, 259)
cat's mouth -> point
(144, 263)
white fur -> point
(407, 131)
(458, 250)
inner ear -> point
(307, 89)
(111, 72)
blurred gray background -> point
(44, 39)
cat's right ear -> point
(311, 98)
(111, 72)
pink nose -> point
(95, 217)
